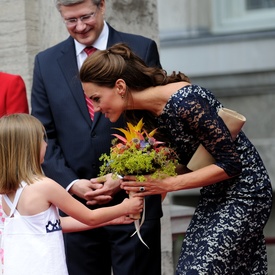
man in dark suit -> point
(75, 143)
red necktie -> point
(90, 50)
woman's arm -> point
(205, 176)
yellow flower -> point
(133, 132)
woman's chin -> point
(112, 118)
(109, 117)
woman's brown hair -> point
(105, 67)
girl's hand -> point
(133, 205)
(122, 220)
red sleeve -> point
(16, 100)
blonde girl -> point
(32, 239)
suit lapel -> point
(114, 37)
(70, 71)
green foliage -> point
(139, 162)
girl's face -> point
(43, 150)
(108, 101)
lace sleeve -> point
(201, 111)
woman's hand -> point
(145, 188)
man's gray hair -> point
(59, 3)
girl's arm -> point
(58, 196)
(70, 224)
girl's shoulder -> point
(44, 180)
(44, 184)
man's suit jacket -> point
(75, 143)
(13, 95)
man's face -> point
(84, 21)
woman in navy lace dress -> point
(225, 235)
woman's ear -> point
(120, 87)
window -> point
(242, 15)
(256, 4)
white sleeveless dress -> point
(33, 244)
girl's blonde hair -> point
(21, 138)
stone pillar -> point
(139, 17)
(15, 46)
(166, 239)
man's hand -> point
(82, 187)
(109, 187)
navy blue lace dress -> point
(225, 235)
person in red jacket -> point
(13, 95)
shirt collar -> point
(100, 43)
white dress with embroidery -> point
(33, 244)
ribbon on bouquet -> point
(138, 219)
(139, 222)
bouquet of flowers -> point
(139, 154)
